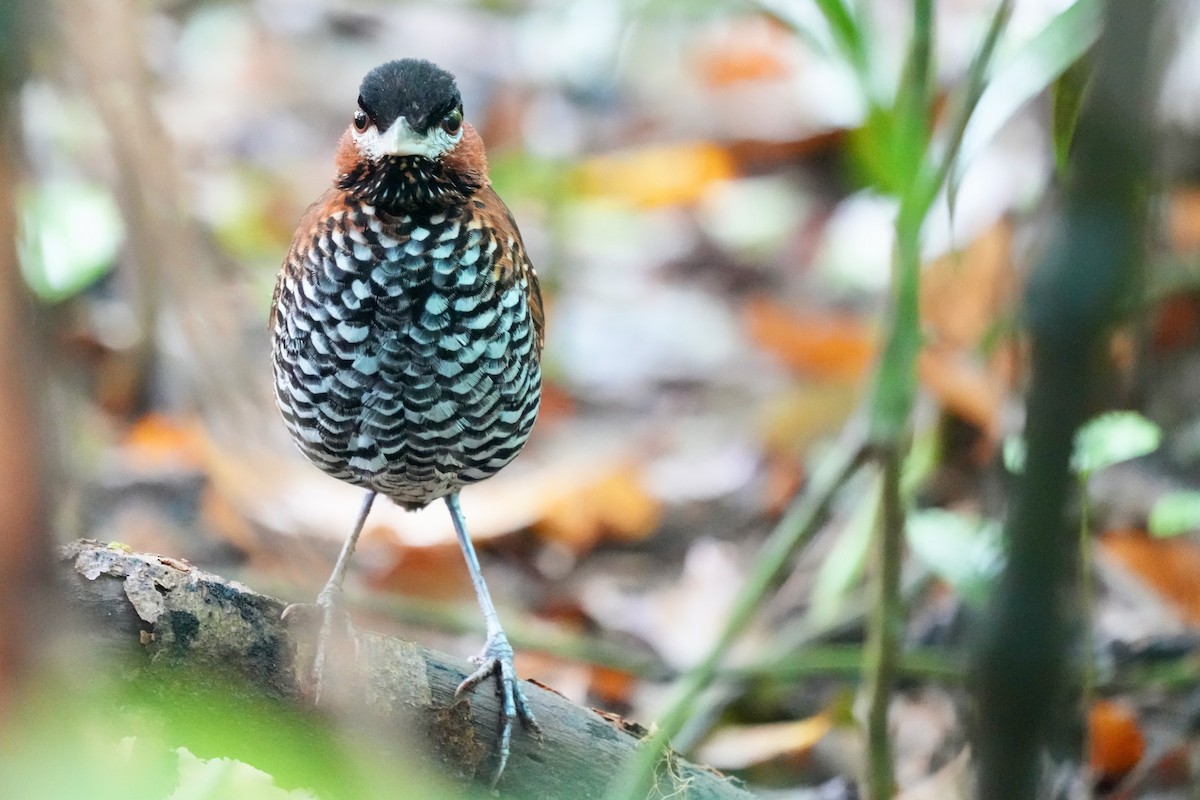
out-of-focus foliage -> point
(709, 192)
(70, 235)
(147, 742)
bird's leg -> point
(497, 656)
(334, 618)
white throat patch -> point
(400, 140)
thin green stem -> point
(895, 383)
(848, 661)
(791, 646)
(885, 627)
(794, 530)
(1022, 662)
(925, 191)
(1087, 589)
(914, 99)
(846, 33)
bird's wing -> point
(512, 262)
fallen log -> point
(164, 622)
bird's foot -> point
(497, 660)
(335, 633)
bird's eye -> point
(361, 121)
(453, 121)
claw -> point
(335, 628)
(497, 660)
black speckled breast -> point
(405, 346)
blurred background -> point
(713, 231)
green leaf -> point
(1112, 438)
(1103, 441)
(875, 155)
(965, 552)
(1014, 454)
(68, 237)
(843, 567)
(1175, 513)
(1028, 71)
(1068, 94)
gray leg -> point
(497, 656)
(330, 601)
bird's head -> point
(407, 144)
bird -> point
(407, 329)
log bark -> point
(165, 623)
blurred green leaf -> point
(875, 154)
(914, 97)
(1014, 454)
(1068, 94)
(1112, 438)
(519, 175)
(965, 552)
(1175, 513)
(222, 778)
(842, 568)
(68, 237)
(846, 31)
(187, 735)
(1103, 441)
(1028, 71)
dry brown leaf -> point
(611, 687)
(1115, 741)
(750, 48)
(742, 746)
(1175, 323)
(964, 387)
(965, 292)
(793, 419)
(615, 505)
(1183, 219)
(783, 475)
(437, 572)
(832, 346)
(1170, 566)
(657, 176)
(158, 441)
(557, 404)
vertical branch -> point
(892, 398)
(885, 623)
(1020, 660)
(25, 557)
(181, 296)
(104, 41)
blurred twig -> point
(848, 661)
(1071, 299)
(894, 388)
(793, 532)
(526, 634)
(185, 317)
(24, 541)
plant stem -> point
(793, 531)
(788, 655)
(1020, 661)
(885, 627)
(847, 34)
(848, 661)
